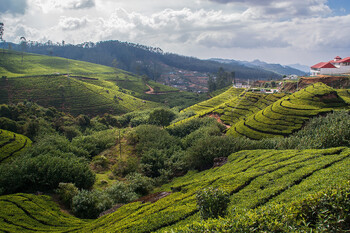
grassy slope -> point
(11, 144)
(253, 179)
(36, 79)
(113, 80)
(289, 113)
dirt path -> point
(217, 117)
(152, 92)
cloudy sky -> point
(278, 31)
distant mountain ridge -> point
(276, 68)
(141, 59)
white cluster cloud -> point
(69, 23)
(208, 29)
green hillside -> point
(254, 179)
(43, 79)
(209, 105)
(288, 114)
(12, 144)
(245, 105)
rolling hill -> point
(143, 59)
(254, 179)
(89, 88)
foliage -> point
(67, 191)
(161, 117)
(96, 142)
(125, 166)
(89, 204)
(256, 181)
(121, 192)
(212, 202)
(44, 172)
(201, 155)
(140, 184)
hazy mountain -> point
(304, 68)
(276, 68)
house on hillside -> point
(335, 66)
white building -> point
(335, 66)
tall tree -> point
(1, 34)
(23, 45)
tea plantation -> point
(288, 114)
(245, 105)
(253, 179)
(12, 144)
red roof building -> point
(335, 66)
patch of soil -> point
(217, 117)
(337, 82)
(218, 162)
(111, 210)
(152, 92)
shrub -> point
(66, 192)
(191, 139)
(146, 137)
(152, 162)
(183, 129)
(125, 166)
(212, 203)
(120, 192)
(96, 142)
(201, 155)
(327, 211)
(89, 204)
(44, 172)
(140, 184)
(161, 117)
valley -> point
(123, 153)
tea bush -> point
(212, 202)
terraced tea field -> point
(204, 107)
(289, 114)
(253, 179)
(12, 144)
(245, 105)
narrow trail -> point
(152, 92)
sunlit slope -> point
(34, 64)
(69, 95)
(245, 105)
(289, 113)
(12, 144)
(31, 213)
(209, 105)
(253, 179)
